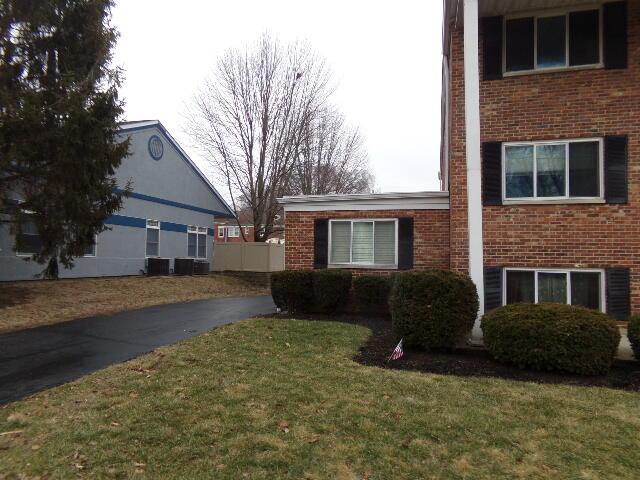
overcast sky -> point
(385, 58)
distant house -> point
(228, 230)
(169, 214)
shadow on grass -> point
(469, 361)
(12, 295)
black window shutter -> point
(584, 37)
(321, 243)
(492, 48)
(492, 288)
(615, 169)
(614, 34)
(405, 243)
(618, 293)
(519, 36)
(491, 173)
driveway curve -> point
(40, 358)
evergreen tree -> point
(59, 108)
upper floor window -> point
(553, 170)
(547, 41)
(197, 242)
(153, 238)
(363, 242)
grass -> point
(270, 398)
(32, 304)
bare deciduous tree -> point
(331, 158)
(250, 118)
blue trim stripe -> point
(173, 227)
(188, 161)
(135, 222)
(126, 221)
(171, 203)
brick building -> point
(540, 195)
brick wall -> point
(564, 105)
(431, 236)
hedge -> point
(633, 332)
(434, 309)
(331, 290)
(292, 290)
(552, 337)
(372, 294)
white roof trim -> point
(367, 201)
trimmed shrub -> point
(372, 294)
(633, 332)
(552, 336)
(331, 290)
(434, 309)
(292, 290)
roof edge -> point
(132, 126)
(363, 197)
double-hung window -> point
(233, 232)
(363, 242)
(552, 40)
(90, 250)
(573, 287)
(553, 170)
(153, 238)
(197, 242)
(220, 232)
(30, 242)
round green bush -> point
(434, 309)
(292, 290)
(331, 290)
(552, 336)
(633, 332)
(372, 294)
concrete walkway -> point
(40, 358)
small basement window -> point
(573, 287)
(197, 242)
(551, 41)
(153, 238)
(552, 170)
(363, 242)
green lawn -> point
(283, 399)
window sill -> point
(538, 71)
(562, 201)
(360, 266)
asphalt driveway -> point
(40, 358)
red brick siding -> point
(431, 236)
(587, 103)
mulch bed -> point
(470, 361)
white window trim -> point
(567, 271)
(363, 265)
(197, 231)
(553, 200)
(220, 231)
(146, 232)
(552, 13)
(95, 252)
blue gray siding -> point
(169, 190)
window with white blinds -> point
(363, 242)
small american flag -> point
(397, 353)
